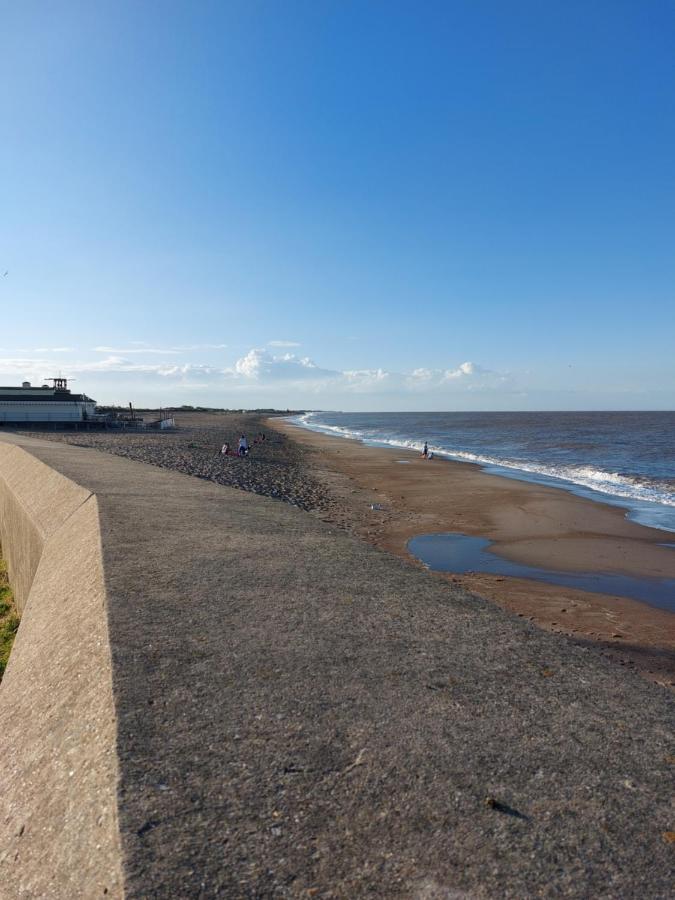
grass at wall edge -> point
(9, 621)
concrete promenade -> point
(283, 711)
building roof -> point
(17, 395)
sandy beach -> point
(339, 480)
(290, 712)
(529, 524)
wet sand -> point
(338, 480)
(529, 524)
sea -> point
(623, 458)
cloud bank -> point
(258, 377)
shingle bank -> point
(212, 694)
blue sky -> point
(353, 205)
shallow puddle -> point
(460, 553)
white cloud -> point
(152, 350)
(421, 375)
(262, 365)
(259, 376)
(139, 347)
(54, 350)
(369, 380)
(28, 368)
(189, 347)
(283, 344)
(466, 369)
(263, 369)
(36, 368)
(466, 376)
(166, 370)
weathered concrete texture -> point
(299, 714)
(59, 835)
(35, 501)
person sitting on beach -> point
(243, 446)
(225, 449)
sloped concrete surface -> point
(35, 500)
(59, 834)
(301, 715)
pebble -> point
(275, 468)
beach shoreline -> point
(338, 480)
(530, 524)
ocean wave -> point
(613, 484)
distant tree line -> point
(269, 410)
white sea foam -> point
(612, 484)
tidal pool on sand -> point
(460, 553)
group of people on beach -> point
(243, 447)
(427, 453)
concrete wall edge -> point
(59, 828)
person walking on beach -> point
(425, 452)
(243, 446)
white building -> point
(44, 404)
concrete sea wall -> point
(59, 835)
(35, 501)
(213, 694)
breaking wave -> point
(619, 485)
